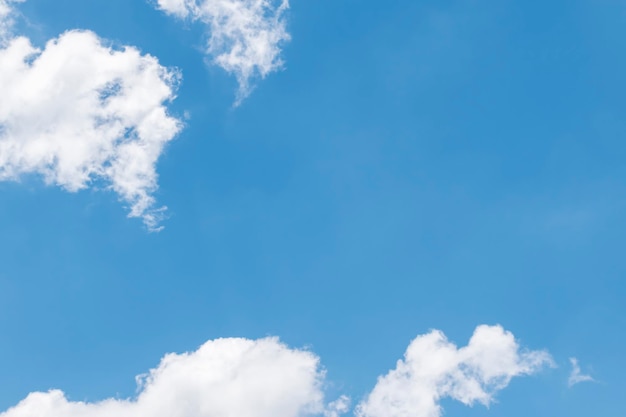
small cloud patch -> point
(245, 36)
(576, 376)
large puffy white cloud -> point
(82, 113)
(433, 368)
(265, 378)
(224, 378)
(245, 36)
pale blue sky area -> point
(415, 165)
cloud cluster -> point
(81, 113)
(245, 36)
(265, 378)
(224, 378)
(433, 369)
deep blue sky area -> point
(416, 165)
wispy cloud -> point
(79, 113)
(245, 36)
(576, 376)
(433, 369)
(6, 17)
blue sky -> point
(413, 165)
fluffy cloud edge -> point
(238, 377)
(433, 368)
(81, 113)
(6, 18)
(225, 377)
(245, 36)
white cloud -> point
(433, 368)
(576, 377)
(245, 36)
(338, 407)
(81, 113)
(224, 378)
(265, 378)
(6, 18)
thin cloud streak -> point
(576, 376)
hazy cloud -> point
(576, 376)
(6, 18)
(338, 407)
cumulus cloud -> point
(81, 114)
(433, 368)
(224, 378)
(245, 36)
(265, 378)
(576, 377)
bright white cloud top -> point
(265, 378)
(81, 113)
(576, 376)
(224, 378)
(245, 36)
(433, 369)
